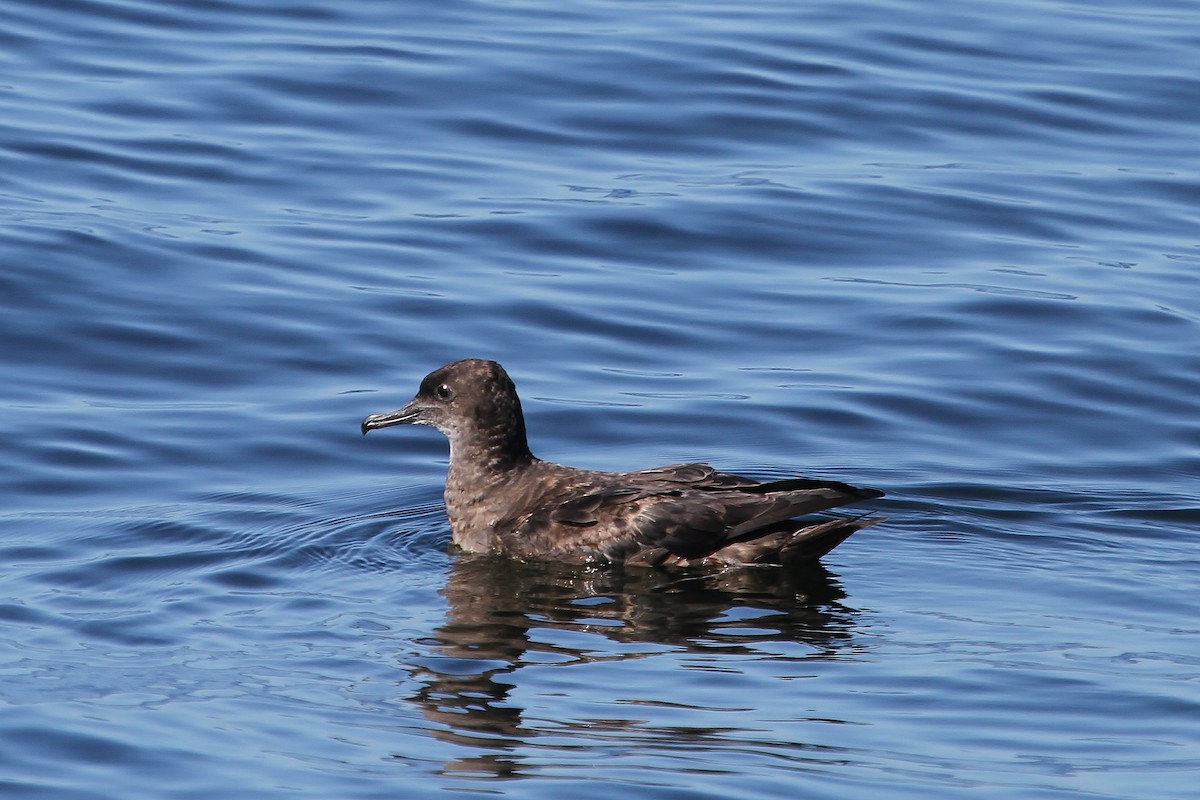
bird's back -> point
(682, 513)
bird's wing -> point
(686, 510)
(691, 476)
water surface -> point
(951, 252)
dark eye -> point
(443, 391)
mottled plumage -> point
(501, 498)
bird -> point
(502, 499)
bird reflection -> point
(503, 616)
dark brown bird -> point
(502, 499)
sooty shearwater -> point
(503, 499)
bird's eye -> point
(443, 391)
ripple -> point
(984, 288)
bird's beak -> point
(411, 414)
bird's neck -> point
(493, 449)
(481, 467)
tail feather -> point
(811, 543)
(784, 543)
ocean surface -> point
(951, 250)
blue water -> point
(951, 250)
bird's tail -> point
(809, 543)
(791, 543)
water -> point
(949, 250)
